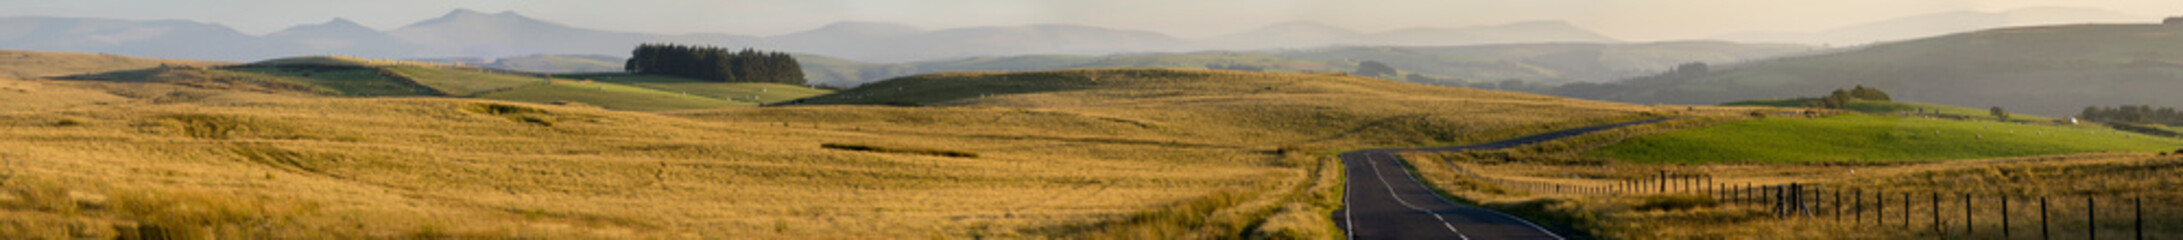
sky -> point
(1636, 20)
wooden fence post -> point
(1967, 221)
(2043, 219)
(2091, 218)
(2004, 216)
(2138, 217)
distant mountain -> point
(544, 63)
(342, 37)
(466, 33)
(471, 33)
(1313, 34)
(1936, 24)
(165, 39)
(1288, 34)
(1522, 32)
(2045, 70)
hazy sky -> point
(1626, 19)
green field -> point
(461, 82)
(761, 93)
(1897, 107)
(611, 96)
(1867, 138)
(355, 82)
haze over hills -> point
(466, 33)
(2047, 70)
(1935, 24)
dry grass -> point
(22, 64)
(1128, 160)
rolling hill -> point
(21, 64)
(360, 77)
(463, 33)
(1544, 63)
(1936, 24)
(2045, 70)
(1897, 108)
(1100, 153)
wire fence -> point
(1932, 213)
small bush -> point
(68, 123)
(879, 149)
(1675, 202)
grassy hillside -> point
(457, 82)
(357, 77)
(610, 96)
(21, 64)
(1866, 138)
(760, 93)
(1897, 108)
(1538, 63)
(2045, 70)
(1162, 154)
(1276, 107)
(356, 82)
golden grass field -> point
(1105, 153)
(1523, 180)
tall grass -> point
(1121, 159)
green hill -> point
(1867, 138)
(2045, 70)
(758, 93)
(610, 96)
(1896, 107)
(356, 77)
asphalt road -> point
(1386, 202)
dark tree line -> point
(715, 63)
(2143, 114)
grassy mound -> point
(1866, 138)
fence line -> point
(1796, 202)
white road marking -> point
(1369, 161)
(1413, 178)
(1349, 218)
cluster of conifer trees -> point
(715, 63)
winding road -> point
(1385, 202)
